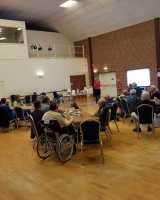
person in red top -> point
(97, 89)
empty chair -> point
(104, 120)
(113, 114)
(122, 103)
(21, 115)
(90, 130)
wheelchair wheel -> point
(44, 147)
(65, 147)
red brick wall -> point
(128, 48)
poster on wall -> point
(108, 82)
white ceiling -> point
(88, 18)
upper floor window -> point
(11, 35)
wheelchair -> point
(52, 140)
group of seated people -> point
(8, 107)
(47, 110)
(133, 97)
(136, 97)
(50, 113)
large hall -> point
(79, 100)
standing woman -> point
(97, 88)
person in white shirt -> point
(55, 114)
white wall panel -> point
(19, 76)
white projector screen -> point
(139, 76)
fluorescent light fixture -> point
(19, 29)
(40, 73)
(3, 38)
(68, 4)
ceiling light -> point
(68, 4)
(3, 38)
(40, 73)
(95, 70)
(19, 29)
(105, 68)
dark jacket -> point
(132, 101)
(156, 94)
(6, 115)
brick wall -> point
(128, 48)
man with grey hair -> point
(132, 100)
(102, 113)
(101, 105)
(145, 99)
(138, 89)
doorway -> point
(108, 82)
(78, 82)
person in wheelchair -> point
(55, 114)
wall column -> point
(90, 63)
(157, 39)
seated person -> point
(37, 115)
(57, 97)
(75, 106)
(123, 105)
(124, 94)
(45, 104)
(129, 87)
(13, 99)
(101, 114)
(109, 100)
(54, 114)
(101, 105)
(42, 96)
(132, 100)
(19, 101)
(34, 97)
(145, 99)
(6, 113)
(138, 89)
(155, 94)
